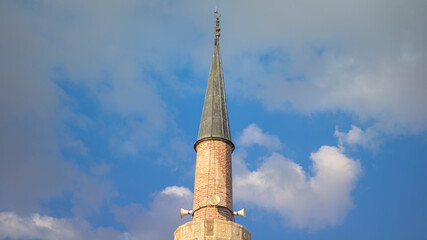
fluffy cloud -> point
(13, 226)
(364, 58)
(305, 200)
(44, 53)
(46, 48)
(60, 58)
(160, 220)
(254, 135)
(356, 136)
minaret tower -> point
(212, 212)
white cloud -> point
(86, 42)
(356, 136)
(254, 135)
(364, 57)
(160, 220)
(305, 200)
(361, 57)
(91, 51)
(13, 226)
(181, 192)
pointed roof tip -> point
(214, 123)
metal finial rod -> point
(217, 28)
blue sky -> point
(101, 101)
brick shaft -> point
(213, 177)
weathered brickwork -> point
(212, 229)
(213, 177)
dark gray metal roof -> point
(214, 123)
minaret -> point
(212, 212)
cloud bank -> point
(364, 58)
(158, 222)
(305, 200)
(36, 226)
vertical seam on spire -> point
(222, 90)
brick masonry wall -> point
(213, 177)
(212, 230)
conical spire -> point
(214, 123)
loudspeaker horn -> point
(185, 212)
(240, 213)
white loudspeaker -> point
(185, 212)
(240, 213)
